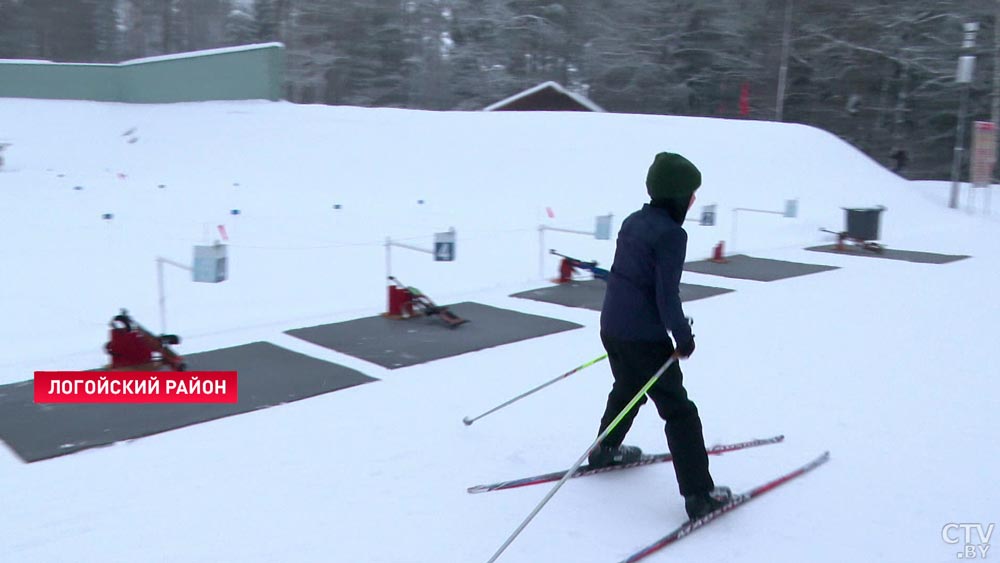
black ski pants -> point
(633, 363)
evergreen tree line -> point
(878, 73)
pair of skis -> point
(649, 459)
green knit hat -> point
(672, 176)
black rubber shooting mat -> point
(268, 376)
(589, 294)
(890, 254)
(399, 343)
(745, 267)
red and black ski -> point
(647, 459)
(738, 500)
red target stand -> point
(602, 231)
(719, 253)
(401, 303)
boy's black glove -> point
(684, 350)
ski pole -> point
(579, 462)
(468, 421)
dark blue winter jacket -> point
(643, 296)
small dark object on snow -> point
(336, 206)
(77, 188)
(108, 216)
(234, 211)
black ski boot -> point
(701, 504)
(603, 456)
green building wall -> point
(42, 79)
(250, 72)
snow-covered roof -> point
(188, 54)
(24, 61)
(550, 84)
(184, 55)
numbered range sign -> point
(444, 246)
(602, 227)
(791, 208)
(708, 216)
(210, 264)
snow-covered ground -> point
(890, 365)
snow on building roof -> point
(544, 85)
(219, 51)
(172, 56)
(24, 61)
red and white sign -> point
(984, 142)
(136, 387)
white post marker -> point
(963, 76)
(791, 211)
(210, 266)
(162, 291)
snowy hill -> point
(888, 364)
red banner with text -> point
(136, 387)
